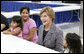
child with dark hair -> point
(73, 43)
(16, 27)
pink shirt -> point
(26, 27)
(14, 30)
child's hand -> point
(6, 32)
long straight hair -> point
(74, 43)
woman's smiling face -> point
(25, 14)
(45, 18)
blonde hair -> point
(49, 11)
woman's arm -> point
(31, 33)
(59, 42)
(39, 35)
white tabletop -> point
(12, 44)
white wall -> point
(81, 20)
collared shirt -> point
(53, 38)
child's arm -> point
(8, 31)
(16, 32)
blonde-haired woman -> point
(48, 34)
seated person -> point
(29, 26)
(72, 43)
(4, 23)
(49, 35)
(16, 27)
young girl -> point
(16, 27)
(72, 43)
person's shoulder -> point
(31, 20)
(41, 26)
(58, 30)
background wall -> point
(81, 20)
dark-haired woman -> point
(29, 26)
